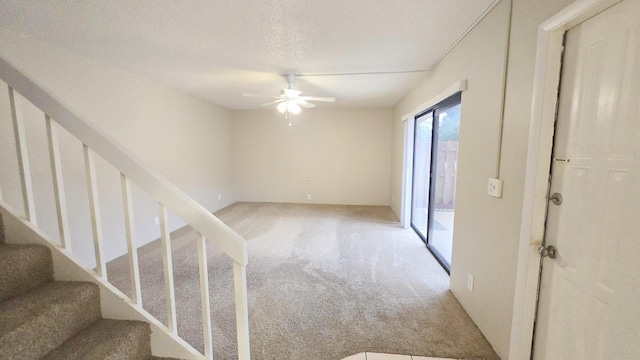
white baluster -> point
(134, 269)
(96, 223)
(242, 310)
(204, 296)
(58, 183)
(23, 158)
(168, 270)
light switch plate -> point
(495, 188)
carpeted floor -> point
(324, 282)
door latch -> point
(548, 251)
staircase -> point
(45, 319)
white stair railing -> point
(168, 196)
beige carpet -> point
(324, 281)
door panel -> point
(443, 192)
(422, 173)
(589, 304)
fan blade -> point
(317, 98)
(304, 104)
(272, 102)
(261, 96)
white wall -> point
(339, 156)
(486, 229)
(188, 140)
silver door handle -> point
(548, 251)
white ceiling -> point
(218, 49)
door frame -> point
(407, 159)
(541, 131)
(435, 109)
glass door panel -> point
(440, 233)
(422, 173)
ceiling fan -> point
(291, 101)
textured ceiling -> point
(218, 50)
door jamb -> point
(545, 89)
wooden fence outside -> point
(445, 195)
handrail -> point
(127, 163)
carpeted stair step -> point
(23, 267)
(36, 322)
(107, 339)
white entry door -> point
(589, 306)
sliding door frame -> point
(435, 110)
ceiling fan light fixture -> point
(290, 101)
(293, 108)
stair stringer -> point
(114, 304)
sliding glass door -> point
(435, 158)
